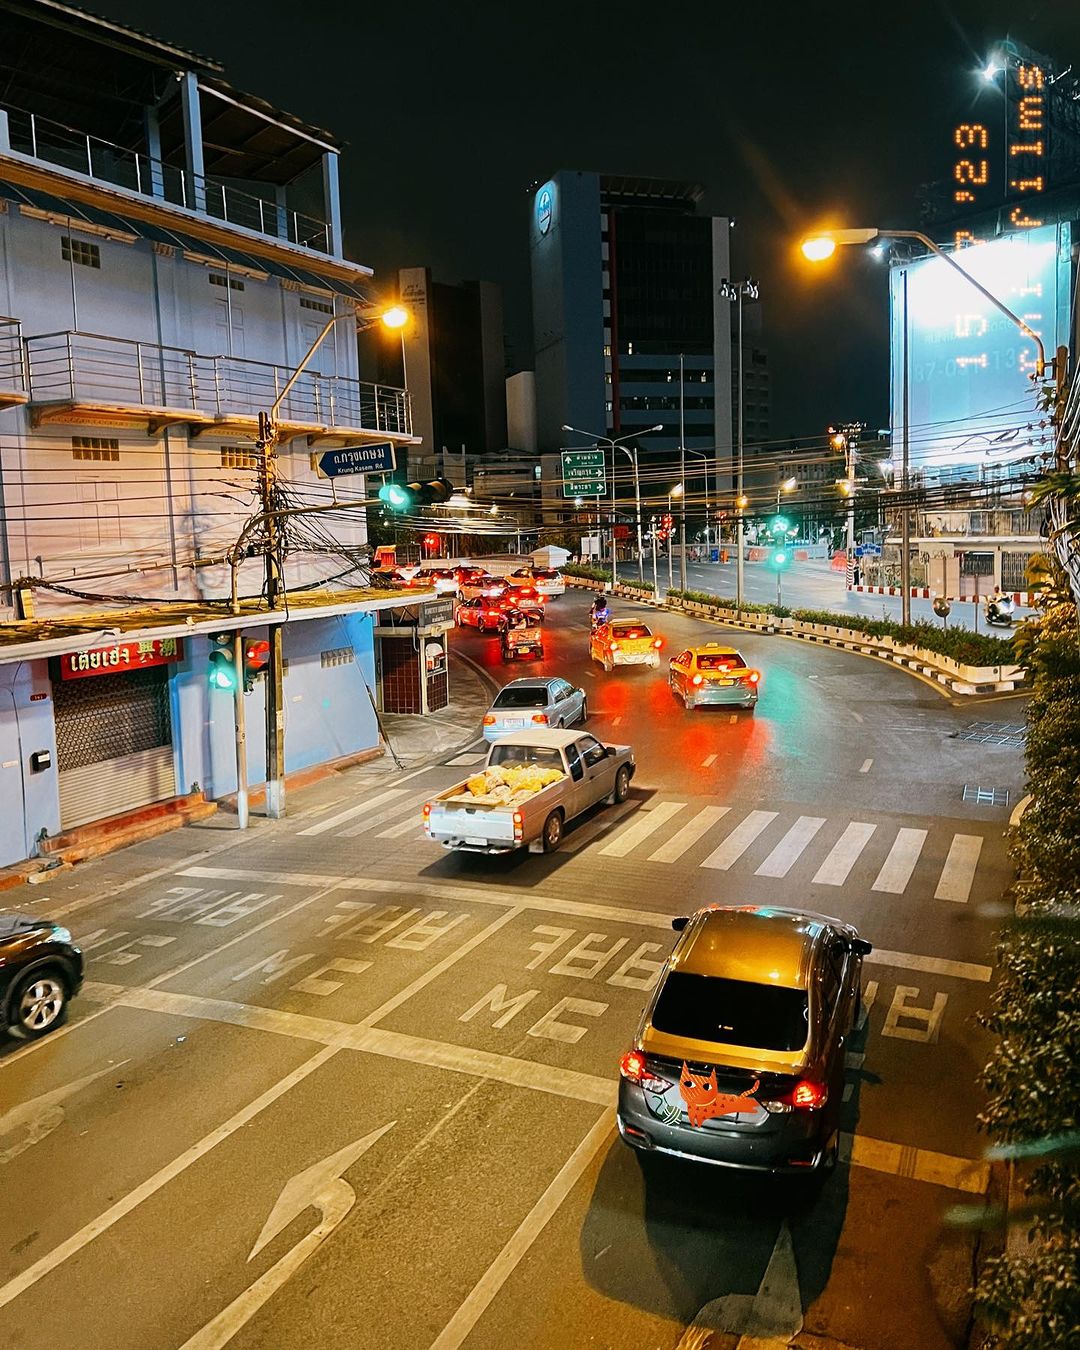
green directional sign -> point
(584, 473)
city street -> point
(330, 1085)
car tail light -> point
(658, 643)
(489, 719)
(540, 719)
(807, 1095)
(632, 1066)
(519, 826)
(614, 646)
(754, 677)
(698, 679)
(427, 817)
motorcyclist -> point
(999, 606)
(599, 613)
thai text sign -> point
(124, 656)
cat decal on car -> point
(704, 1100)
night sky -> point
(789, 114)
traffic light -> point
(780, 558)
(406, 496)
(256, 659)
(223, 661)
(779, 525)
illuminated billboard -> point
(971, 396)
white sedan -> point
(546, 580)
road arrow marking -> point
(307, 1187)
(41, 1115)
(320, 1187)
(771, 1317)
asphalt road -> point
(331, 1086)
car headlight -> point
(61, 934)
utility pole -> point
(905, 532)
(682, 477)
(275, 692)
(655, 581)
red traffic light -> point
(256, 659)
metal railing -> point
(12, 368)
(55, 143)
(92, 368)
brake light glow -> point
(614, 646)
(519, 826)
(754, 676)
(658, 643)
(540, 719)
(427, 817)
(632, 1066)
(698, 679)
(807, 1095)
(489, 719)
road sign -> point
(869, 551)
(375, 458)
(584, 473)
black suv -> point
(41, 969)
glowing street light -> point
(395, 317)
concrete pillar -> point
(282, 230)
(5, 132)
(332, 202)
(195, 187)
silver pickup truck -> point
(590, 772)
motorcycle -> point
(999, 612)
(598, 617)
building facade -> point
(630, 330)
(168, 257)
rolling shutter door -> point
(113, 744)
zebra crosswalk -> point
(882, 856)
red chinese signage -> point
(124, 656)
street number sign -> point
(375, 458)
(584, 473)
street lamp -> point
(736, 291)
(819, 247)
(632, 454)
(788, 485)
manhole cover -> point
(984, 796)
(992, 733)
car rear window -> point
(545, 574)
(729, 662)
(732, 1012)
(630, 630)
(508, 756)
(525, 697)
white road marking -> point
(857, 716)
(524, 900)
(465, 760)
(918, 1164)
(644, 824)
(959, 871)
(866, 766)
(899, 865)
(739, 840)
(351, 811)
(476, 1303)
(788, 851)
(707, 761)
(690, 833)
(616, 721)
(605, 821)
(844, 854)
(407, 826)
(734, 717)
(933, 965)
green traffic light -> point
(395, 496)
(779, 559)
(778, 525)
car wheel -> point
(749, 707)
(39, 1003)
(552, 836)
(584, 711)
(622, 785)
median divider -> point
(956, 676)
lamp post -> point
(817, 248)
(676, 491)
(788, 485)
(736, 291)
(617, 443)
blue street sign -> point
(871, 550)
(375, 458)
(859, 550)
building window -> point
(238, 459)
(219, 279)
(100, 449)
(322, 306)
(337, 656)
(80, 251)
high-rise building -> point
(630, 331)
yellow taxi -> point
(713, 674)
(624, 643)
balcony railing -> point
(12, 367)
(55, 143)
(89, 370)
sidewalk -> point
(414, 740)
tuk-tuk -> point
(521, 636)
